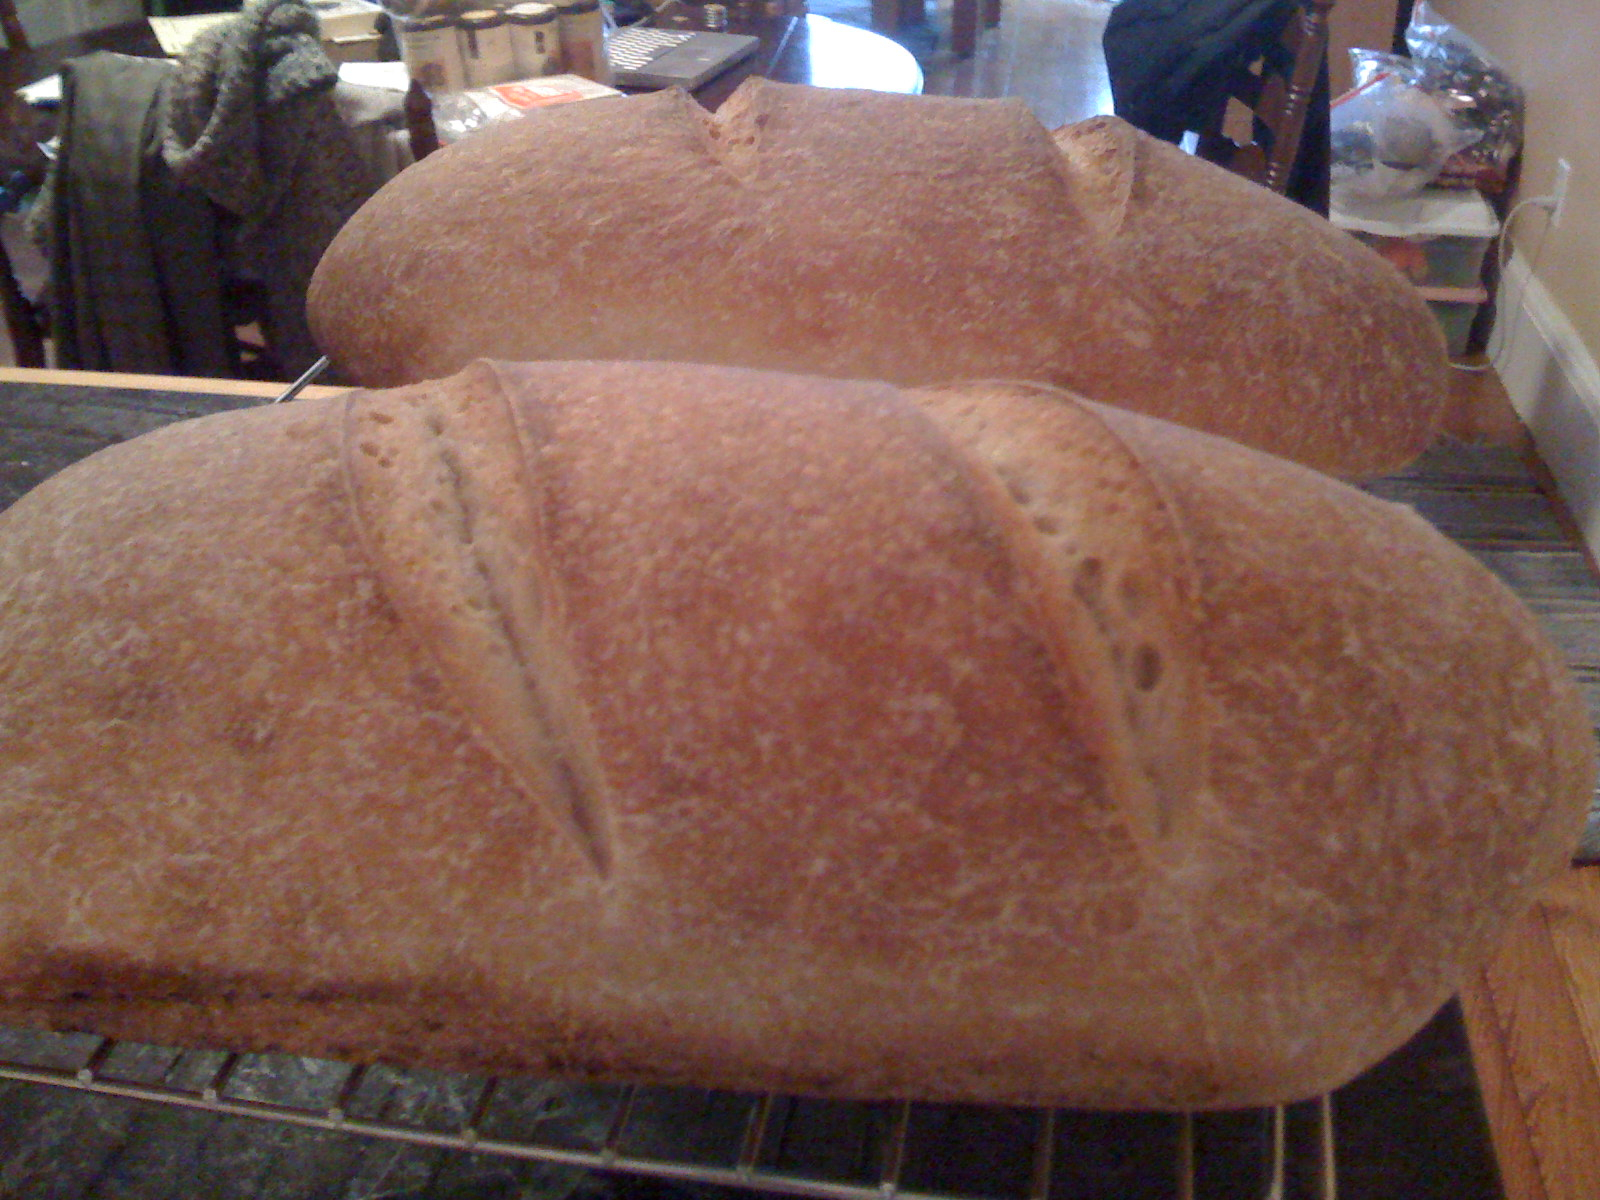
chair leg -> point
(886, 15)
(11, 25)
(22, 322)
(991, 13)
(420, 128)
(964, 27)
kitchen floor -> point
(1045, 52)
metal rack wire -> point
(772, 1143)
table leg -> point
(27, 344)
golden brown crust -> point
(452, 520)
(1341, 746)
(867, 833)
(910, 239)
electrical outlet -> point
(1558, 190)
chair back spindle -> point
(11, 25)
(1275, 92)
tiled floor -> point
(1047, 52)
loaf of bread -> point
(910, 239)
(691, 724)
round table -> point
(805, 49)
(835, 55)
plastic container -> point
(487, 54)
(535, 39)
(1437, 239)
(432, 53)
(1455, 309)
(583, 39)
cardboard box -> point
(349, 28)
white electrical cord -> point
(1500, 338)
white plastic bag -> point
(1478, 91)
(456, 114)
(1391, 135)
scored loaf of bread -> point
(702, 725)
(910, 239)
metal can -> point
(432, 52)
(715, 15)
(486, 52)
(535, 39)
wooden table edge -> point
(158, 383)
(1529, 1017)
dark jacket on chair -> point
(254, 126)
(191, 199)
(134, 265)
(1170, 62)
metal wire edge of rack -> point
(746, 1172)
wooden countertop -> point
(157, 383)
(1533, 1021)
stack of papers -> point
(175, 33)
(339, 19)
(390, 76)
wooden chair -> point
(1260, 132)
(967, 19)
(11, 25)
(25, 321)
(22, 165)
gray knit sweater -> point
(253, 124)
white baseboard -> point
(1554, 385)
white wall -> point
(1550, 305)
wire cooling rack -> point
(768, 1142)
